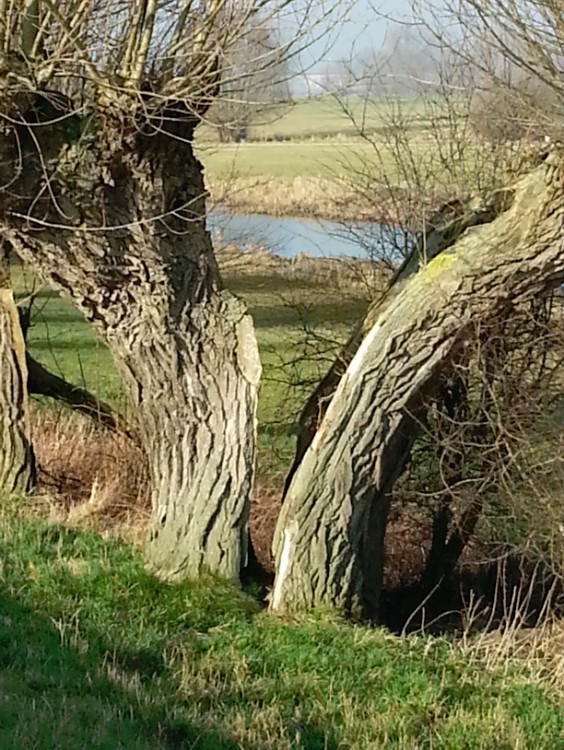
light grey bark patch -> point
(17, 464)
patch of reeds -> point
(327, 198)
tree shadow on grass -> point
(54, 695)
(297, 316)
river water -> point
(289, 236)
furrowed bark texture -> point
(443, 228)
(118, 225)
(17, 466)
(326, 542)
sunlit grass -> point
(329, 117)
(96, 654)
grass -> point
(279, 161)
(97, 654)
(325, 117)
(320, 140)
(310, 171)
(292, 309)
(315, 158)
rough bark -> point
(338, 496)
(17, 465)
(443, 228)
(119, 227)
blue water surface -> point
(290, 236)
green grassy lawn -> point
(97, 655)
(321, 140)
(326, 117)
(273, 161)
(326, 159)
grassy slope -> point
(98, 655)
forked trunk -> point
(17, 466)
(121, 230)
(336, 504)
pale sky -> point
(364, 30)
(359, 36)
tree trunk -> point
(121, 230)
(338, 496)
(443, 228)
(17, 465)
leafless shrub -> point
(426, 153)
(489, 461)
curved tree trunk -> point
(328, 539)
(443, 228)
(17, 465)
(120, 228)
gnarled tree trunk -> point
(119, 226)
(328, 539)
(17, 466)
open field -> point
(326, 117)
(315, 159)
(297, 163)
(279, 161)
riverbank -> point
(337, 199)
(305, 197)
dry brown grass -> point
(265, 507)
(540, 650)
(94, 478)
(89, 476)
(327, 198)
(307, 285)
(341, 275)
